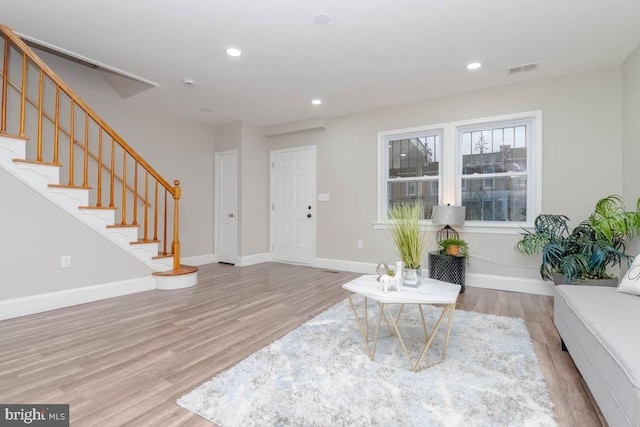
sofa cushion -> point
(630, 283)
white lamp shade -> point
(448, 215)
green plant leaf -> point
(409, 237)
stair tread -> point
(140, 242)
(8, 135)
(98, 207)
(123, 225)
(184, 269)
(71, 187)
(35, 162)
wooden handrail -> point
(17, 41)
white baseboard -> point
(17, 307)
(199, 259)
(244, 261)
(511, 284)
(241, 261)
(354, 266)
(501, 283)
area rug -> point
(320, 375)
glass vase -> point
(412, 277)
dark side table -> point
(447, 268)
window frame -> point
(450, 168)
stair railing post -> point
(135, 195)
(175, 245)
(5, 79)
(164, 239)
(40, 102)
(124, 188)
(23, 97)
(146, 205)
(112, 173)
(85, 160)
(56, 126)
(71, 138)
(99, 196)
(155, 214)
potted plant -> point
(585, 253)
(410, 239)
(454, 247)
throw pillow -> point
(630, 283)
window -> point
(489, 165)
(412, 168)
(495, 170)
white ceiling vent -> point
(522, 68)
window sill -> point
(498, 228)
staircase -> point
(102, 181)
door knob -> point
(308, 215)
(230, 215)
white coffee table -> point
(431, 291)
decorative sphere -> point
(381, 269)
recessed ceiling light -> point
(232, 51)
(189, 82)
(474, 66)
(316, 101)
(321, 18)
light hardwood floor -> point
(125, 361)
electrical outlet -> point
(65, 261)
(359, 244)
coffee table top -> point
(431, 291)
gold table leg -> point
(448, 309)
(363, 326)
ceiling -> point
(371, 54)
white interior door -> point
(293, 216)
(226, 205)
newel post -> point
(5, 80)
(175, 245)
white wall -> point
(582, 154)
(631, 133)
(35, 234)
(631, 126)
(254, 196)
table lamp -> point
(448, 215)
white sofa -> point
(600, 328)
